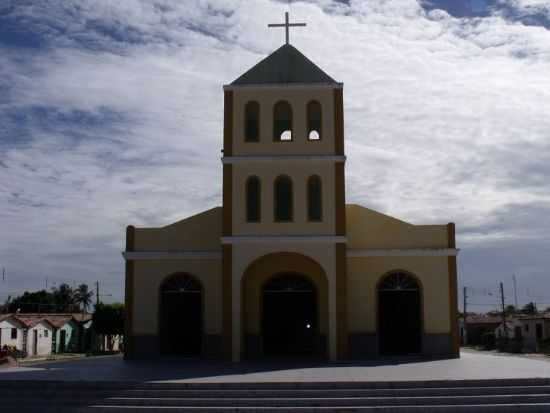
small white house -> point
(514, 329)
(535, 329)
(11, 332)
(39, 338)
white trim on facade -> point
(243, 239)
(229, 160)
(309, 86)
(263, 239)
(406, 252)
(171, 255)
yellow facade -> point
(344, 265)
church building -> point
(285, 268)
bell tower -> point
(283, 178)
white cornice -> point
(247, 239)
(337, 85)
(279, 158)
(172, 255)
(268, 239)
(403, 252)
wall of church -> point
(299, 173)
(370, 229)
(298, 99)
(363, 275)
(199, 232)
(148, 277)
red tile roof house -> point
(11, 332)
(44, 334)
(477, 325)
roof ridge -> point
(285, 65)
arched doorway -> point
(290, 324)
(181, 316)
(399, 314)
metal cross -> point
(286, 25)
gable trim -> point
(171, 255)
(405, 252)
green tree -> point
(510, 309)
(109, 319)
(83, 296)
(530, 308)
(64, 299)
(32, 302)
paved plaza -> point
(471, 366)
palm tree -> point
(83, 296)
(64, 298)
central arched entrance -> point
(289, 316)
(278, 290)
(181, 317)
(399, 314)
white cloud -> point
(446, 120)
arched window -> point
(283, 199)
(399, 314)
(181, 303)
(398, 281)
(282, 121)
(314, 199)
(252, 122)
(253, 203)
(314, 114)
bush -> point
(510, 345)
(488, 340)
(544, 346)
(12, 352)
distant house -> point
(476, 326)
(66, 337)
(11, 332)
(44, 334)
(37, 334)
(535, 329)
(514, 329)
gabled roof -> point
(284, 65)
(30, 321)
(56, 320)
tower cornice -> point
(298, 86)
(285, 158)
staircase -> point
(506, 395)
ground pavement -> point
(472, 365)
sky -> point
(111, 114)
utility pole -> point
(503, 312)
(3, 274)
(465, 312)
(515, 292)
(97, 293)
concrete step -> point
(499, 396)
(38, 384)
(289, 393)
(289, 402)
(503, 408)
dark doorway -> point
(290, 316)
(34, 342)
(62, 341)
(399, 315)
(181, 316)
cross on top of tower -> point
(286, 25)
